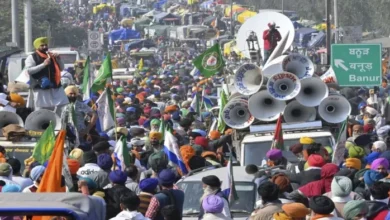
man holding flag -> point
(74, 115)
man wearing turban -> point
(75, 112)
(45, 81)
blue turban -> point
(371, 157)
(148, 184)
(118, 177)
(104, 161)
(11, 188)
(37, 172)
(372, 176)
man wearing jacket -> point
(271, 38)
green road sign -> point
(357, 64)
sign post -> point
(357, 64)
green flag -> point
(45, 145)
(86, 80)
(221, 122)
(210, 62)
(105, 72)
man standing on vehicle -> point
(45, 71)
(212, 186)
(271, 38)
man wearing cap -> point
(45, 81)
(212, 186)
(166, 179)
(271, 38)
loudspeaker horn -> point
(258, 24)
(8, 118)
(40, 120)
(296, 112)
(237, 95)
(248, 79)
(236, 114)
(275, 66)
(299, 65)
(334, 109)
(264, 107)
(284, 86)
(313, 91)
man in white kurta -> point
(53, 96)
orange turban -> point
(354, 163)
(187, 152)
(282, 216)
(17, 99)
(74, 165)
(214, 135)
(156, 135)
(170, 108)
(295, 210)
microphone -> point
(48, 54)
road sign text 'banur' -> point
(357, 64)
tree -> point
(45, 14)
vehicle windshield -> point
(193, 191)
(68, 58)
(256, 151)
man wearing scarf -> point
(45, 82)
(75, 112)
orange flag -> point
(52, 178)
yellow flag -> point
(141, 64)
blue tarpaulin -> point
(123, 34)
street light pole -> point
(336, 22)
(27, 26)
(231, 19)
(328, 31)
(282, 6)
(15, 23)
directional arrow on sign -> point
(340, 64)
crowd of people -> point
(160, 98)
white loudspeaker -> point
(296, 112)
(40, 120)
(264, 107)
(8, 118)
(334, 109)
(299, 65)
(236, 114)
(273, 67)
(313, 91)
(237, 95)
(284, 86)
(248, 79)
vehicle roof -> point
(86, 207)
(257, 137)
(123, 70)
(239, 175)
